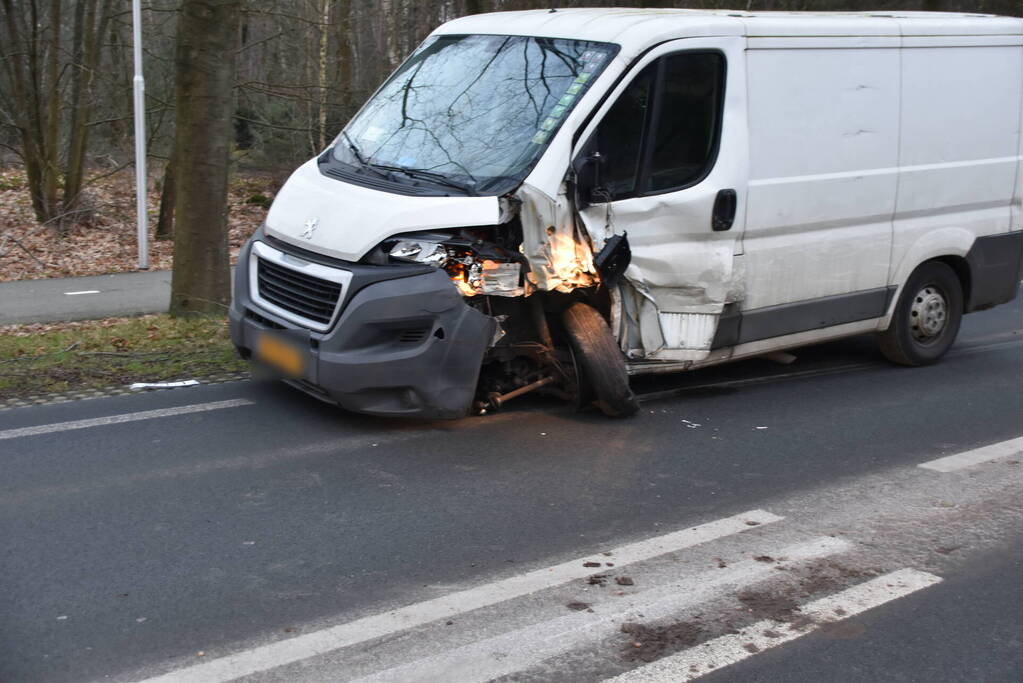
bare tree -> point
(49, 63)
(90, 22)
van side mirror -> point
(589, 171)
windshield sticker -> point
(541, 137)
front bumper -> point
(399, 347)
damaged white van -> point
(556, 200)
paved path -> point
(84, 298)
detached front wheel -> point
(600, 359)
(927, 316)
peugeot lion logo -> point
(310, 228)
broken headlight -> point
(432, 253)
(470, 272)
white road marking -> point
(121, 419)
(721, 652)
(959, 461)
(519, 650)
(283, 652)
(84, 291)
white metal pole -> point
(139, 85)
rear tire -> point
(601, 360)
(927, 317)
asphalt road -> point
(261, 527)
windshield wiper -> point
(361, 159)
(384, 171)
(439, 178)
(355, 148)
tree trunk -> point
(321, 76)
(29, 57)
(51, 141)
(83, 70)
(206, 44)
(168, 194)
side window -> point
(619, 138)
(688, 120)
(662, 133)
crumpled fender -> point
(560, 257)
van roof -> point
(636, 29)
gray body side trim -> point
(996, 265)
(737, 327)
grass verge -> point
(101, 354)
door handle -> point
(724, 210)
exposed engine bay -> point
(531, 350)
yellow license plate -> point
(281, 354)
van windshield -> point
(473, 112)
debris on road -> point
(647, 643)
(138, 386)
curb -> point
(68, 396)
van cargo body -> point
(554, 201)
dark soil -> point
(647, 643)
(766, 605)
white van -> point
(556, 200)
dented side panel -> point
(682, 273)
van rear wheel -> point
(927, 317)
(601, 360)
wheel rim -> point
(928, 314)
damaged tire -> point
(601, 360)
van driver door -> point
(670, 153)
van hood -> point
(345, 221)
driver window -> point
(619, 138)
(662, 133)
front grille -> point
(264, 321)
(310, 297)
